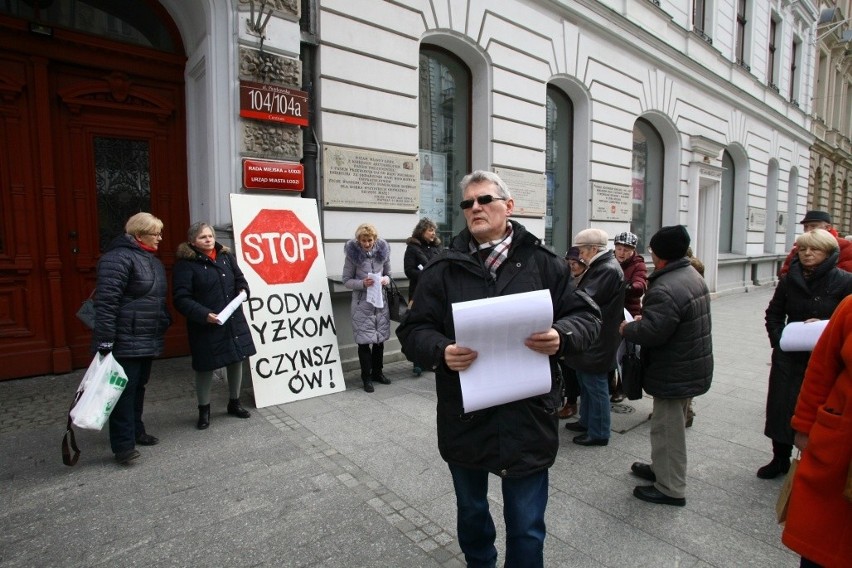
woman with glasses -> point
(421, 247)
(206, 279)
(130, 321)
(808, 292)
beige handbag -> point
(784, 496)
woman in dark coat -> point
(423, 245)
(367, 254)
(130, 321)
(810, 291)
(206, 279)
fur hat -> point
(627, 239)
(670, 243)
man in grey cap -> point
(604, 282)
(821, 220)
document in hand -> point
(505, 369)
(229, 310)
(801, 336)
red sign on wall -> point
(269, 174)
(263, 101)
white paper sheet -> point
(228, 310)
(505, 369)
(801, 336)
(374, 292)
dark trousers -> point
(524, 503)
(371, 357)
(125, 422)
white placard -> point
(278, 242)
(505, 369)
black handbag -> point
(631, 372)
(397, 304)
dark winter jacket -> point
(202, 286)
(369, 323)
(674, 332)
(797, 299)
(517, 438)
(130, 300)
(417, 255)
(604, 282)
(635, 283)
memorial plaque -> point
(612, 202)
(364, 179)
(529, 191)
(756, 219)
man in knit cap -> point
(677, 354)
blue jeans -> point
(524, 502)
(125, 422)
(594, 404)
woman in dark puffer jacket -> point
(423, 245)
(206, 279)
(130, 321)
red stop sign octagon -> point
(279, 247)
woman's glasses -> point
(482, 200)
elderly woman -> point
(130, 321)
(206, 279)
(819, 517)
(367, 256)
(810, 291)
(421, 247)
(635, 271)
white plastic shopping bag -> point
(101, 387)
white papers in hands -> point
(374, 292)
(505, 369)
(226, 312)
(801, 336)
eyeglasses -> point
(160, 235)
(482, 200)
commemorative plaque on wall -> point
(529, 191)
(366, 179)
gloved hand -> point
(105, 348)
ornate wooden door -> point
(88, 137)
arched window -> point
(139, 23)
(445, 118)
(648, 161)
(559, 159)
(726, 213)
(771, 228)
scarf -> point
(499, 253)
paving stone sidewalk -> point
(355, 479)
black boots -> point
(368, 383)
(203, 416)
(236, 409)
(780, 463)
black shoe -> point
(643, 470)
(417, 371)
(124, 458)
(368, 386)
(584, 440)
(203, 416)
(774, 468)
(650, 494)
(381, 378)
(236, 409)
(575, 427)
(147, 440)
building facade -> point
(620, 115)
(831, 153)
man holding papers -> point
(516, 440)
